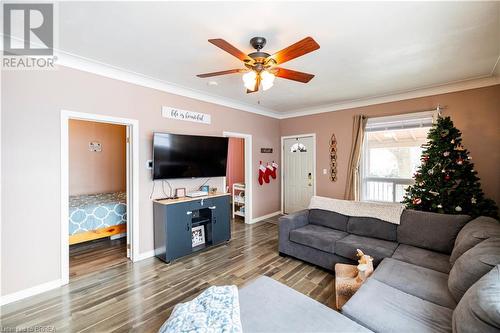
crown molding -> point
(88, 65)
(480, 82)
(70, 60)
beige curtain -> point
(352, 189)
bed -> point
(94, 216)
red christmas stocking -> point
(262, 174)
(274, 166)
(269, 171)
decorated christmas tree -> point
(446, 181)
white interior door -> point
(298, 173)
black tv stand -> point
(174, 220)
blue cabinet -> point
(221, 209)
(174, 222)
(179, 230)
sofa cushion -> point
(372, 227)
(473, 233)
(328, 219)
(318, 237)
(431, 231)
(377, 248)
(479, 309)
(472, 265)
(421, 257)
(383, 308)
(418, 281)
(269, 306)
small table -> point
(346, 283)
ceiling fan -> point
(261, 67)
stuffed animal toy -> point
(365, 267)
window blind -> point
(399, 122)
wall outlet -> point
(149, 164)
(324, 171)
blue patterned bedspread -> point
(215, 310)
(94, 211)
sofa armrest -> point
(292, 221)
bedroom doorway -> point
(99, 187)
(239, 175)
(97, 196)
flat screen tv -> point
(188, 156)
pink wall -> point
(31, 135)
(475, 112)
(96, 172)
(235, 162)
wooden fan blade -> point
(257, 84)
(222, 44)
(294, 75)
(230, 71)
(296, 50)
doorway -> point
(241, 192)
(97, 196)
(298, 178)
(99, 191)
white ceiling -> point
(367, 49)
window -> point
(391, 154)
(298, 147)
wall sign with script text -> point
(178, 114)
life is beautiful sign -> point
(178, 114)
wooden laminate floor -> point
(90, 257)
(140, 296)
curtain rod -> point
(438, 108)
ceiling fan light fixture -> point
(249, 80)
(267, 80)
(261, 67)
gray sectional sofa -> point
(434, 272)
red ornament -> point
(417, 201)
(447, 177)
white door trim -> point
(313, 135)
(134, 202)
(248, 172)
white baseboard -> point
(265, 217)
(28, 292)
(145, 255)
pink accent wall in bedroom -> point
(96, 172)
(235, 162)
